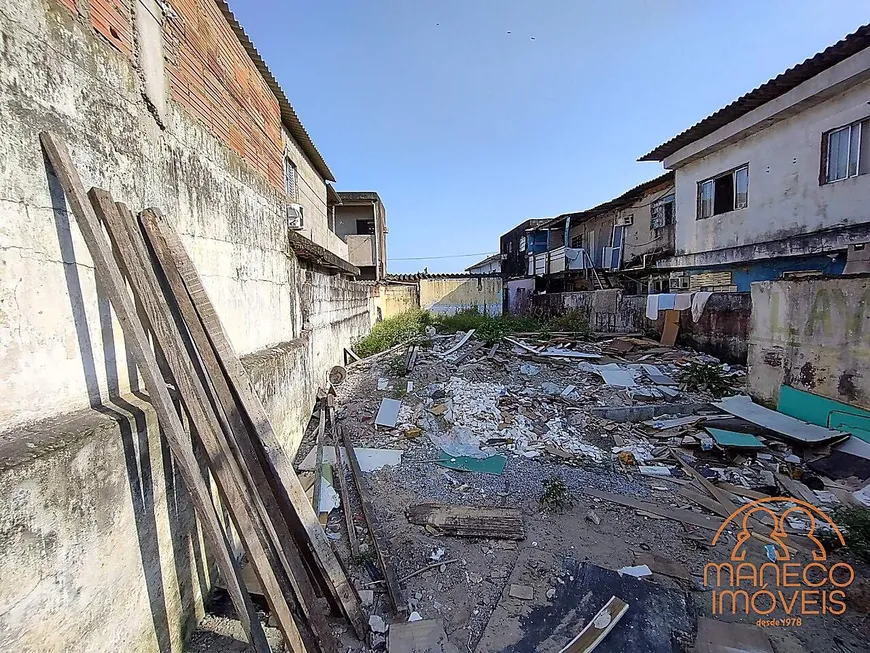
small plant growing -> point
(556, 497)
(363, 558)
(855, 524)
(705, 376)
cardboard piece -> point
(671, 328)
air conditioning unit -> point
(679, 281)
(295, 218)
(625, 220)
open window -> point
(662, 212)
(724, 193)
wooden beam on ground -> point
(341, 480)
(136, 340)
(411, 359)
(378, 539)
(289, 494)
(477, 346)
(597, 629)
(470, 521)
(684, 516)
(242, 501)
(742, 491)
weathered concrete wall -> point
(813, 335)
(519, 295)
(391, 299)
(722, 331)
(452, 295)
(606, 310)
(785, 197)
(99, 550)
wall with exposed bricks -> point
(99, 548)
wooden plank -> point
(671, 328)
(341, 481)
(136, 340)
(411, 359)
(720, 495)
(596, 630)
(492, 351)
(458, 345)
(349, 353)
(477, 346)
(705, 501)
(289, 494)
(378, 539)
(742, 491)
(661, 565)
(684, 516)
(470, 521)
(246, 455)
(797, 489)
(238, 497)
(318, 460)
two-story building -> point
(613, 244)
(777, 181)
(360, 219)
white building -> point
(489, 265)
(777, 180)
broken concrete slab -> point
(650, 411)
(424, 636)
(523, 592)
(789, 427)
(388, 413)
(370, 460)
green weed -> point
(393, 331)
(556, 496)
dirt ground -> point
(471, 595)
(547, 430)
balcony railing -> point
(557, 260)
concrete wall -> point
(785, 197)
(813, 335)
(519, 295)
(722, 331)
(99, 550)
(452, 295)
(391, 299)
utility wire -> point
(429, 258)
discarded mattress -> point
(742, 406)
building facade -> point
(776, 182)
(360, 220)
(164, 105)
(489, 265)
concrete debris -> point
(523, 592)
(377, 624)
(638, 571)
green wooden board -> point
(492, 465)
(735, 439)
(822, 411)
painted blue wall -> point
(769, 269)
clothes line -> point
(677, 301)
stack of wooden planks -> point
(284, 542)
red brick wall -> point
(210, 76)
(113, 19)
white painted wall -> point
(785, 198)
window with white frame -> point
(522, 243)
(290, 179)
(723, 193)
(662, 212)
(846, 152)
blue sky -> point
(466, 130)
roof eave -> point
(288, 113)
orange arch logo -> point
(797, 589)
(777, 523)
